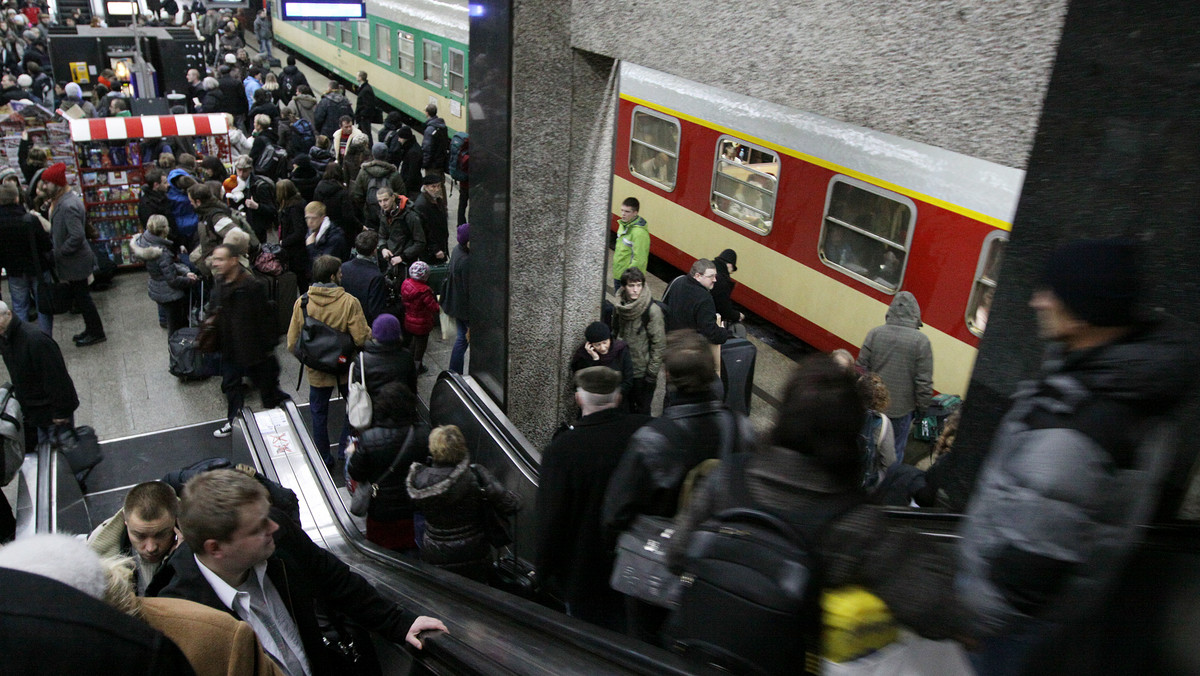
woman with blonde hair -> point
(454, 495)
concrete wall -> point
(968, 76)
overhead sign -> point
(323, 10)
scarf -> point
(629, 312)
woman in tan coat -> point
(329, 303)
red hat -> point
(56, 173)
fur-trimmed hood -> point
(439, 484)
(148, 247)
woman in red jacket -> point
(420, 310)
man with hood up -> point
(331, 109)
(374, 174)
(903, 358)
(304, 104)
(1075, 469)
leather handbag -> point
(322, 347)
(360, 501)
(641, 569)
(209, 340)
(358, 401)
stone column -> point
(540, 224)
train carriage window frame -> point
(671, 153)
(858, 270)
(347, 34)
(735, 204)
(427, 63)
(363, 38)
(403, 40)
(331, 31)
(457, 78)
(985, 280)
(383, 43)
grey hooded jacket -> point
(1075, 468)
(902, 356)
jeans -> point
(264, 376)
(24, 288)
(458, 354)
(264, 46)
(318, 405)
(81, 298)
(900, 428)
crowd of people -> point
(364, 227)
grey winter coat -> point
(166, 283)
(304, 106)
(1075, 468)
(902, 356)
(375, 169)
(73, 257)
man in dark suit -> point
(245, 558)
(362, 278)
(576, 467)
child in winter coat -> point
(420, 310)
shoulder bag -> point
(360, 502)
(322, 347)
(358, 401)
(495, 525)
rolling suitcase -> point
(282, 295)
(187, 361)
(737, 373)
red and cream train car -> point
(829, 220)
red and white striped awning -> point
(147, 126)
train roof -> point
(927, 172)
(438, 17)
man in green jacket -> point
(632, 249)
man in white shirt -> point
(244, 557)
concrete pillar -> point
(539, 206)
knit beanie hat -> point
(596, 332)
(1097, 279)
(56, 173)
(432, 179)
(386, 328)
(73, 90)
(419, 270)
(464, 233)
(379, 151)
(24, 81)
(7, 171)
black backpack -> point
(322, 347)
(281, 497)
(304, 136)
(272, 163)
(750, 600)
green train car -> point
(413, 52)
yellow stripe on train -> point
(818, 298)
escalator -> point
(492, 632)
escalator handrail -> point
(44, 503)
(525, 457)
(583, 637)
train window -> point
(987, 273)
(457, 69)
(867, 232)
(331, 28)
(432, 59)
(383, 43)
(364, 37)
(347, 33)
(654, 147)
(745, 180)
(408, 54)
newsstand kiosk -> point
(113, 153)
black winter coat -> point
(306, 179)
(362, 279)
(456, 302)
(154, 202)
(292, 233)
(452, 500)
(692, 307)
(576, 468)
(617, 358)
(16, 249)
(377, 449)
(721, 292)
(51, 628)
(213, 101)
(245, 320)
(410, 167)
(302, 572)
(660, 455)
(39, 375)
(336, 199)
(386, 363)
(233, 97)
(433, 219)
